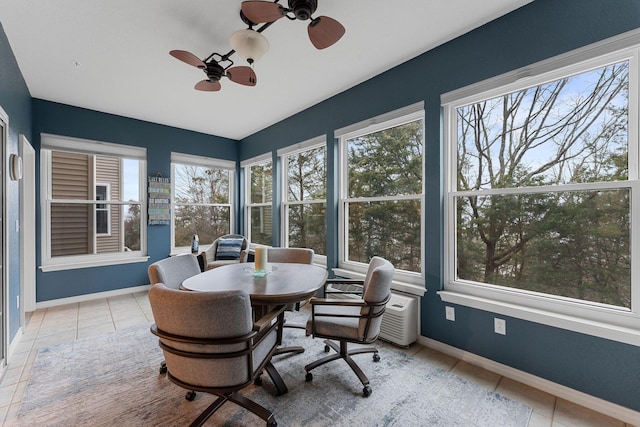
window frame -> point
(284, 154)
(407, 281)
(49, 143)
(106, 209)
(246, 165)
(594, 319)
(208, 162)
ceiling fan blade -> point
(324, 31)
(243, 75)
(207, 86)
(188, 57)
(262, 11)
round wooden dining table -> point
(284, 283)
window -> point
(92, 203)
(202, 195)
(103, 218)
(542, 195)
(304, 195)
(381, 192)
(258, 213)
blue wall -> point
(15, 100)
(540, 30)
(159, 140)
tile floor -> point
(56, 325)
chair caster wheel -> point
(376, 357)
(308, 377)
(272, 423)
(366, 391)
(190, 395)
(327, 349)
(257, 381)
(163, 368)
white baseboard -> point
(90, 297)
(599, 405)
(12, 346)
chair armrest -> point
(338, 302)
(316, 311)
(267, 320)
(355, 282)
(200, 341)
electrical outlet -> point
(500, 326)
(450, 313)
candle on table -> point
(261, 258)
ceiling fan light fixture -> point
(249, 44)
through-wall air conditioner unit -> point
(400, 319)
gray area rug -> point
(113, 380)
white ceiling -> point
(113, 56)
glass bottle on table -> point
(195, 244)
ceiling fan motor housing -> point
(303, 9)
(214, 71)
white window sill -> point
(396, 285)
(186, 250)
(559, 320)
(75, 264)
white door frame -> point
(27, 228)
(4, 322)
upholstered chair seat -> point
(333, 325)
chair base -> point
(234, 397)
(239, 400)
(281, 387)
(296, 349)
(291, 349)
(343, 353)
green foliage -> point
(201, 204)
(386, 165)
(261, 217)
(132, 229)
(307, 183)
(561, 241)
(261, 225)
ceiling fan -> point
(243, 75)
(323, 32)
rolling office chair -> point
(352, 320)
(211, 344)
